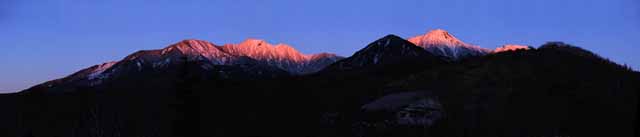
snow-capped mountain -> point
(251, 55)
(281, 56)
(440, 42)
(390, 49)
(510, 47)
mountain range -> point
(281, 57)
(428, 85)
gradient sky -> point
(42, 40)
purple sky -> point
(48, 39)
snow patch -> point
(139, 66)
(97, 72)
(387, 43)
(511, 47)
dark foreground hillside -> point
(555, 90)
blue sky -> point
(42, 40)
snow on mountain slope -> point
(510, 47)
(254, 51)
(190, 49)
(261, 50)
(197, 50)
(440, 42)
(85, 77)
(281, 55)
(251, 58)
(95, 72)
(98, 70)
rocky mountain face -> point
(388, 50)
(440, 42)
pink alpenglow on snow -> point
(440, 42)
(261, 50)
(281, 56)
(511, 47)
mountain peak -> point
(190, 43)
(391, 36)
(511, 47)
(388, 40)
(438, 37)
(254, 42)
(440, 33)
(191, 46)
(441, 42)
(281, 55)
(261, 46)
(262, 50)
(389, 49)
